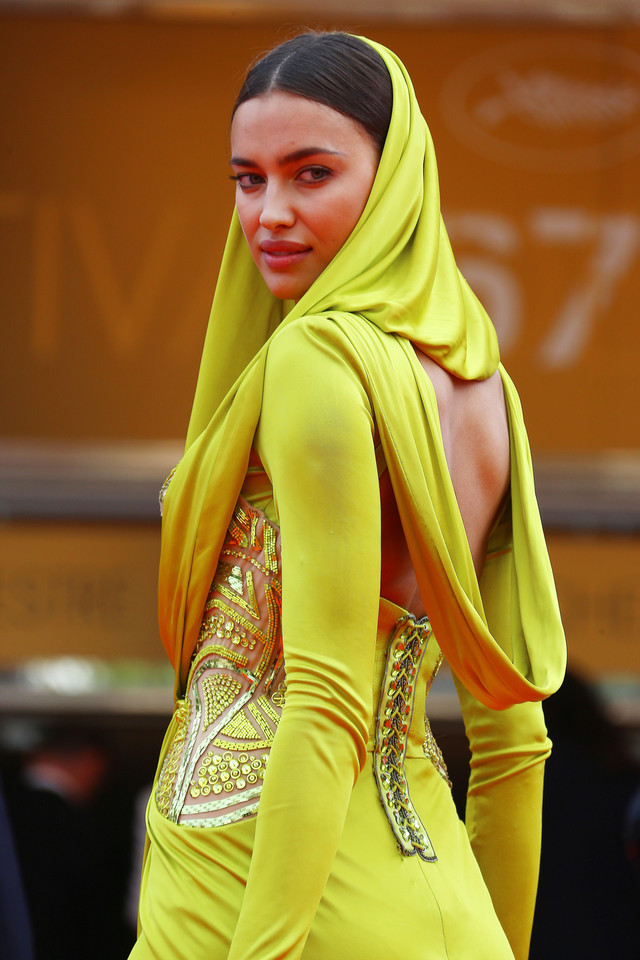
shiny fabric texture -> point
(306, 388)
(376, 903)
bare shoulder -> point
(475, 433)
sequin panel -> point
(405, 653)
(169, 772)
(219, 693)
(235, 690)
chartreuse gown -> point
(336, 837)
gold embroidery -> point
(217, 650)
(167, 778)
(238, 619)
(232, 575)
(270, 555)
(219, 693)
(268, 709)
(212, 805)
(243, 528)
(232, 817)
(165, 486)
(236, 664)
(250, 606)
(228, 552)
(226, 776)
(217, 625)
(229, 745)
(394, 718)
(434, 673)
(237, 527)
(262, 723)
(279, 695)
(240, 727)
(434, 753)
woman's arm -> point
(504, 807)
(315, 440)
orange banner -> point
(114, 202)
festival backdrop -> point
(115, 199)
(114, 205)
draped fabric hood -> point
(396, 269)
(395, 281)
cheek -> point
(247, 217)
(339, 226)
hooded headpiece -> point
(395, 281)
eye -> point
(314, 174)
(247, 180)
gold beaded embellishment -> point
(236, 687)
(430, 746)
(165, 487)
(394, 719)
(433, 752)
(169, 772)
(219, 693)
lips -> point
(281, 254)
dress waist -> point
(225, 724)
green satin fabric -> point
(396, 274)
(305, 385)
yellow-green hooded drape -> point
(395, 281)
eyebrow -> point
(288, 157)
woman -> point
(352, 438)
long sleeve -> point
(504, 807)
(315, 440)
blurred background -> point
(114, 205)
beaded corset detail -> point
(214, 767)
(406, 649)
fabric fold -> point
(393, 284)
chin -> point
(286, 288)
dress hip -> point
(421, 899)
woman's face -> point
(303, 175)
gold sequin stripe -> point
(394, 719)
(232, 817)
(270, 553)
(249, 606)
(266, 570)
(267, 732)
(169, 772)
(217, 650)
(229, 773)
(434, 672)
(216, 703)
(269, 639)
(430, 745)
(220, 691)
(243, 529)
(273, 715)
(239, 525)
(189, 760)
(212, 805)
(232, 745)
(433, 752)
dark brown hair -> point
(333, 68)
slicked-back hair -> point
(332, 68)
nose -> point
(277, 210)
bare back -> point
(475, 433)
